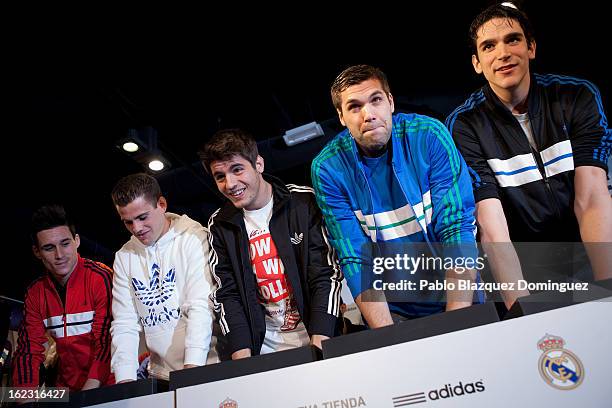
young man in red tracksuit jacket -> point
(71, 304)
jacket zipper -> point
(416, 217)
(256, 344)
(63, 307)
(429, 245)
(542, 169)
(371, 201)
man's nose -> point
(137, 226)
(503, 51)
(230, 181)
(368, 113)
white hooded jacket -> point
(163, 289)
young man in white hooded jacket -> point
(161, 285)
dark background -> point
(72, 88)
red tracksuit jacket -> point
(80, 328)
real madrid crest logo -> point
(560, 368)
(228, 403)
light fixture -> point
(303, 133)
(156, 165)
(130, 147)
(141, 145)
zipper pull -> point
(65, 328)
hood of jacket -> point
(179, 224)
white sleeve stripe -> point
(213, 260)
(336, 279)
(300, 189)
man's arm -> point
(195, 308)
(374, 308)
(101, 291)
(453, 208)
(317, 339)
(494, 233)
(125, 327)
(242, 353)
(29, 354)
(349, 241)
(495, 239)
(459, 298)
(226, 298)
(324, 278)
(90, 384)
(593, 208)
(590, 138)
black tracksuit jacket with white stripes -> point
(309, 264)
(535, 186)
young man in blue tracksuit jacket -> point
(390, 179)
(537, 147)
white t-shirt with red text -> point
(284, 326)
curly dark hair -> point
(47, 217)
(506, 10)
(226, 143)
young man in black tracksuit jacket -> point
(278, 283)
(537, 147)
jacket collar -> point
(71, 279)
(280, 194)
(501, 111)
(357, 155)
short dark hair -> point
(129, 188)
(47, 217)
(226, 143)
(501, 10)
(354, 75)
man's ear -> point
(259, 164)
(476, 64)
(532, 50)
(77, 240)
(340, 117)
(391, 102)
(36, 251)
(161, 202)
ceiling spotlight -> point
(156, 165)
(130, 147)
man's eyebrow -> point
(355, 100)
(486, 42)
(350, 101)
(514, 34)
(138, 216)
(51, 245)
